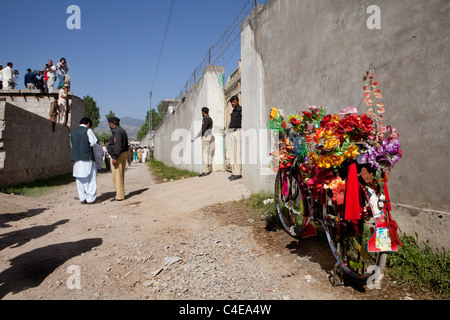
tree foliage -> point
(110, 114)
(91, 111)
(157, 116)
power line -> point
(219, 49)
(169, 18)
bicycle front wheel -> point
(290, 202)
(349, 242)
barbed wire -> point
(221, 47)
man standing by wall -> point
(54, 112)
(118, 150)
(82, 140)
(207, 139)
(236, 139)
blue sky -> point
(113, 57)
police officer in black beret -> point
(235, 131)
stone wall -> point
(297, 53)
(29, 149)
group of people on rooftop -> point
(43, 80)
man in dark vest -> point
(82, 140)
(118, 150)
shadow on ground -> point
(29, 269)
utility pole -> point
(150, 123)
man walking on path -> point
(82, 140)
(236, 139)
(118, 150)
(207, 139)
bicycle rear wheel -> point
(289, 202)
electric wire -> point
(166, 31)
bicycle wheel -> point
(349, 241)
(289, 202)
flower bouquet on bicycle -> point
(333, 173)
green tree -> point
(157, 116)
(91, 111)
(110, 114)
(103, 137)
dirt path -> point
(187, 239)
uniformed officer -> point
(207, 139)
(235, 130)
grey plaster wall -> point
(297, 53)
(173, 144)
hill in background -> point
(131, 126)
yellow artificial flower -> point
(313, 157)
(328, 134)
(331, 143)
(352, 152)
(325, 163)
(335, 118)
(273, 113)
(336, 160)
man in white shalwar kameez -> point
(82, 140)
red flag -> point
(352, 206)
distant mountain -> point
(131, 126)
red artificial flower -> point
(325, 120)
(331, 125)
(307, 114)
(295, 121)
(347, 123)
(366, 123)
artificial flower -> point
(348, 110)
(351, 152)
(331, 143)
(273, 113)
(366, 123)
(313, 157)
(336, 160)
(339, 193)
(325, 162)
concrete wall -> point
(173, 138)
(39, 103)
(29, 149)
(297, 53)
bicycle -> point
(353, 243)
